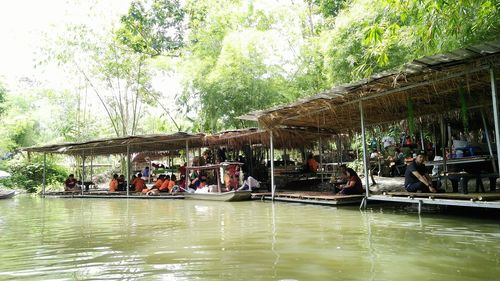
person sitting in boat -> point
(353, 185)
(202, 186)
(113, 184)
(182, 183)
(138, 183)
(312, 164)
(231, 177)
(195, 182)
(71, 184)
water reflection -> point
(184, 240)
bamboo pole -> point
(44, 173)
(127, 182)
(490, 149)
(495, 111)
(83, 171)
(271, 145)
(363, 139)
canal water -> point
(119, 239)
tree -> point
(119, 77)
(3, 93)
(152, 28)
(372, 36)
(241, 58)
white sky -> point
(23, 23)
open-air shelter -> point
(429, 85)
(121, 145)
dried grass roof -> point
(119, 145)
(282, 137)
(160, 145)
(431, 82)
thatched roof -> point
(431, 83)
(162, 145)
(108, 146)
(144, 157)
(282, 137)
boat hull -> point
(224, 196)
(4, 194)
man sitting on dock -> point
(416, 177)
(312, 164)
(139, 183)
(113, 184)
(71, 184)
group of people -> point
(119, 183)
(416, 178)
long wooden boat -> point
(4, 194)
(242, 195)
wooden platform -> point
(310, 197)
(478, 200)
(457, 196)
(105, 194)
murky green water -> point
(100, 239)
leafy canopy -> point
(152, 28)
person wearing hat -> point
(416, 177)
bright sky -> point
(23, 23)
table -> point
(457, 161)
(471, 169)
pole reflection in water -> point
(273, 241)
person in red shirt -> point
(182, 169)
(312, 164)
(353, 185)
(70, 183)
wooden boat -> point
(4, 194)
(235, 195)
(222, 196)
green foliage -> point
(329, 8)
(152, 28)
(28, 175)
(117, 76)
(20, 127)
(3, 93)
(371, 36)
(239, 61)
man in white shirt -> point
(387, 141)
